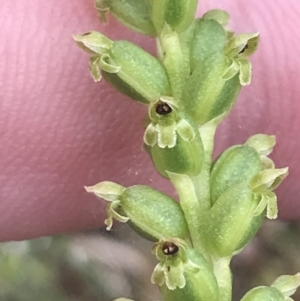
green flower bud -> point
(264, 293)
(178, 14)
(149, 212)
(287, 284)
(134, 14)
(228, 221)
(281, 289)
(129, 68)
(183, 273)
(264, 145)
(237, 164)
(222, 17)
(209, 38)
(263, 184)
(207, 94)
(237, 214)
(175, 142)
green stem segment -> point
(190, 207)
(202, 181)
(223, 274)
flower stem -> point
(190, 207)
(223, 274)
(202, 181)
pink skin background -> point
(60, 131)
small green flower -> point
(241, 163)
(183, 273)
(149, 212)
(174, 140)
(207, 94)
(238, 49)
(236, 215)
(129, 68)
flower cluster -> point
(189, 88)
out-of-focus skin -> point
(60, 131)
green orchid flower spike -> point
(182, 273)
(189, 87)
(149, 212)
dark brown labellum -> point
(170, 248)
(163, 108)
(246, 47)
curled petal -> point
(245, 71)
(108, 65)
(95, 70)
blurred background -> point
(101, 266)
